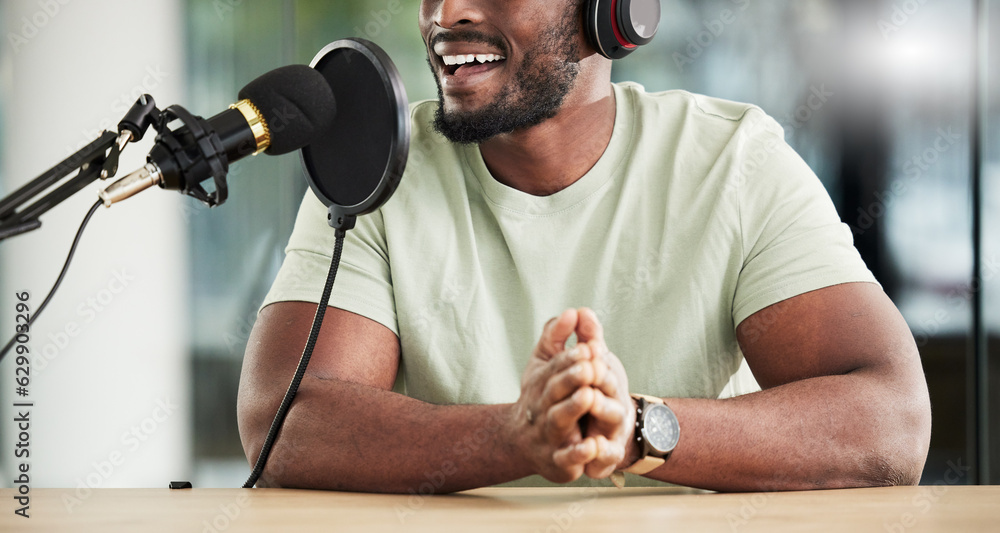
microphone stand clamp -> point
(99, 159)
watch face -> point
(660, 428)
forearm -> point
(344, 436)
(825, 432)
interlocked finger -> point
(566, 382)
(607, 383)
(564, 417)
(607, 455)
(608, 411)
(575, 455)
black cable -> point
(62, 274)
(300, 371)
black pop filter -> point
(355, 166)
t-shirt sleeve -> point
(793, 240)
(363, 285)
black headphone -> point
(616, 28)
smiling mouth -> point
(467, 64)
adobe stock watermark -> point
(190, 208)
(751, 506)
(758, 156)
(913, 171)
(228, 514)
(754, 161)
(451, 292)
(633, 284)
(563, 521)
(153, 77)
(32, 25)
(464, 450)
(131, 441)
(900, 15)
(955, 299)
(928, 497)
(703, 40)
(814, 103)
(225, 8)
(759, 323)
(87, 312)
(379, 20)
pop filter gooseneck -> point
(353, 168)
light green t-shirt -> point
(697, 215)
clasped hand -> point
(575, 415)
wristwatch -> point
(656, 432)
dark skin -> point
(345, 416)
(551, 156)
(844, 403)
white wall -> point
(68, 69)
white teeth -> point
(469, 58)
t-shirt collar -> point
(603, 172)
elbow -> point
(253, 428)
(913, 453)
(253, 432)
(902, 426)
(890, 468)
(901, 443)
(293, 461)
(898, 469)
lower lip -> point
(469, 77)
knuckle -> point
(548, 391)
(563, 360)
(579, 375)
(611, 408)
(551, 427)
(598, 407)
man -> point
(688, 226)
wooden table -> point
(898, 509)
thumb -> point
(589, 328)
(556, 333)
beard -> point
(546, 75)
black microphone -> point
(279, 112)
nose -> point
(452, 13)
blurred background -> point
(894, 104)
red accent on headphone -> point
(614, 26)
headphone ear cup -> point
(601, 28)
(616, 28)
(638, 20)
(590, 25)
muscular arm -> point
(844, 402)
(346, 430)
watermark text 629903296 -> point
(22, 405)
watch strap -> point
(647, 463)
(650, 399)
